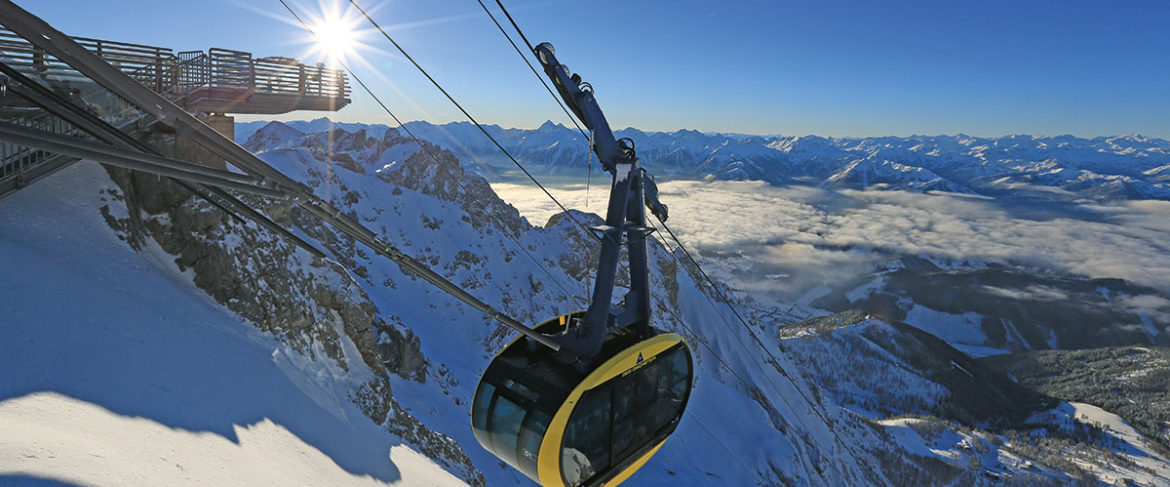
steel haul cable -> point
(469, 117)
(530, 66)
(589, 150)
(428, 150)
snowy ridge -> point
(1100, 168)
(961, 420)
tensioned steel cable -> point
(706, 277)
(428, 150)
(515, 26)
(556, 98)
(470, 118)
(529, 63)
(726, 450)
(775, 361)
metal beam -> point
(74, 147)
(102, 130)
(47, 100)
(64, 48)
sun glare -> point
(335, 33)
(335, 37)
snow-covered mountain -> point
(150, 339)
(1101, 168)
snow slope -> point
(120, 372)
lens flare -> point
(335, 37)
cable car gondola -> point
(565, 425)
(594, 409)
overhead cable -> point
(529, 63)
(428, 150)
(469, 117)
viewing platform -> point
(216, 81)
(41, 93)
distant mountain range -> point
(1066, 167)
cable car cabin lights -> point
(594, 409)
(566, 425)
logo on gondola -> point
(641, 362)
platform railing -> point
(152, 66)
(160, 69)
(16, 161)
(157, 68)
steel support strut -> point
(625, 218)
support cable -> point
(726, 450)
(774, 360)
(516, 26)
(529, 63)
(428, 150)
(470, 118)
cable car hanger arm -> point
(632, 191)
(579, 97)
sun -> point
(336, 34)
(335, 37)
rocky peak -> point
(273, 136)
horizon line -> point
(259, 119)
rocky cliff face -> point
(966, 422)
(313, 305)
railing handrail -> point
(165, 71)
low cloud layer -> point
(792, 239)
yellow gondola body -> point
(563, 426)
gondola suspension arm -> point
(632, 191)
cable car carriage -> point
(566, 425)
(593, 409)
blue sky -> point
(834, 68)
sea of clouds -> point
(786, 241)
